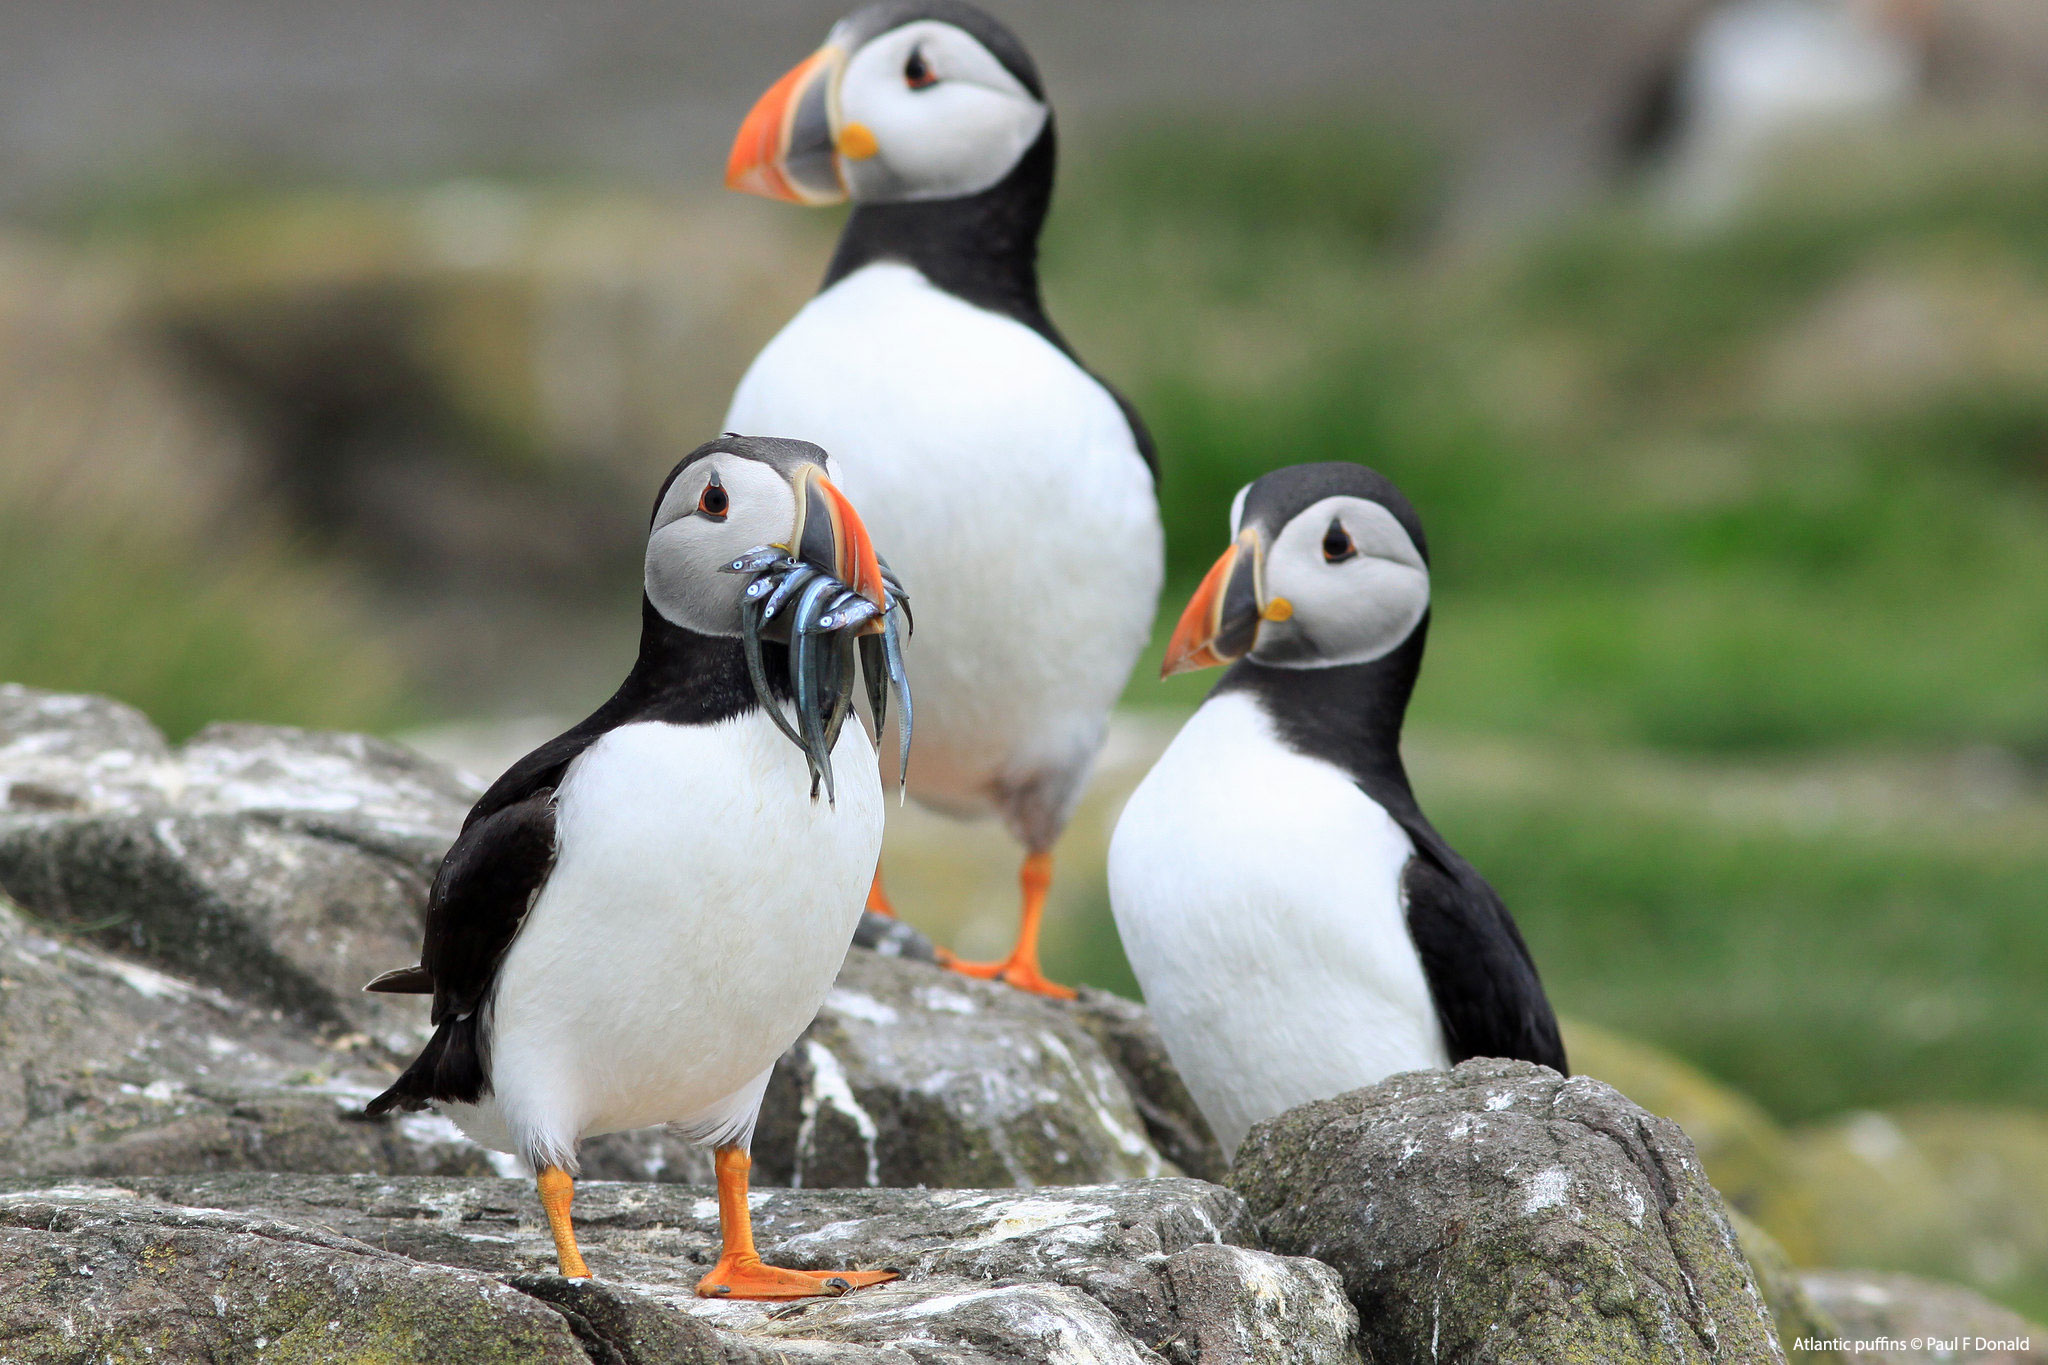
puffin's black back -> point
(1489, 1000)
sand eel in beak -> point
(642, 914)
(1011, 486)
(1298, 926)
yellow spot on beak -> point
(856, 143)
(1279, 609)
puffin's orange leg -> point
(740, 1272)
(1020, 968)
(878, 899)
(557, 1188)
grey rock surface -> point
(1140, 1272)
(92, 1274)
(282, 866)
(111, 1067)
(66, 754)
(1501, 1212)
(1951, 1322)
(1132, 1043)
(913, 1075)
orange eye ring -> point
(713, 502)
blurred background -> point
(342, 347)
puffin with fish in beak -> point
(1011, 485)
(643, 913)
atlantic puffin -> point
(1298, 927)
(644, 912)
(1012, 486)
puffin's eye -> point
(1337, 543)
(917, 72)
(713, 501)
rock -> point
(1749, 1158)
(893, 938)
(379, 796)
(1172, 1120)
(1955, 1194)
(109, 1067)
(913, 1075)
(1138, 1272)
(1501, 1212)
(282, 866)
(95, 1274)
(293, 921)
(1892, 1311)
(1796, 1314)
(62, 754)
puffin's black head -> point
(907, 100)
(737, 494)
(1327, 566)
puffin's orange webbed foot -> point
(740, 1272)
(1020, 968)
(749, 1277)
(1014, 970)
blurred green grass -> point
(1768, 497)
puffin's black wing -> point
(487, 883)
(1489, 1001)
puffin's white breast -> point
(1003, 484)
(698, 910)
(1258, 894)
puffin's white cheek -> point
(1383, 602)
(684, 582)
(954, 139)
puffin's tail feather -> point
(450, 1067)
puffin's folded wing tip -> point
(413, 980)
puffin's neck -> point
(1349, 715)
(983, 248)
(687, 678)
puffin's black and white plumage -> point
(1299, 927)
(1012, 486)
(643, 913)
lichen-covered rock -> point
(88, 1275)
(912, 1075)
(1132, 1274)
(1795, 1312)
(1501, 1212)
(1891, 1312)
(110, 1067)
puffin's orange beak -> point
(832, 537)
(1221, 622)
(787, 144)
